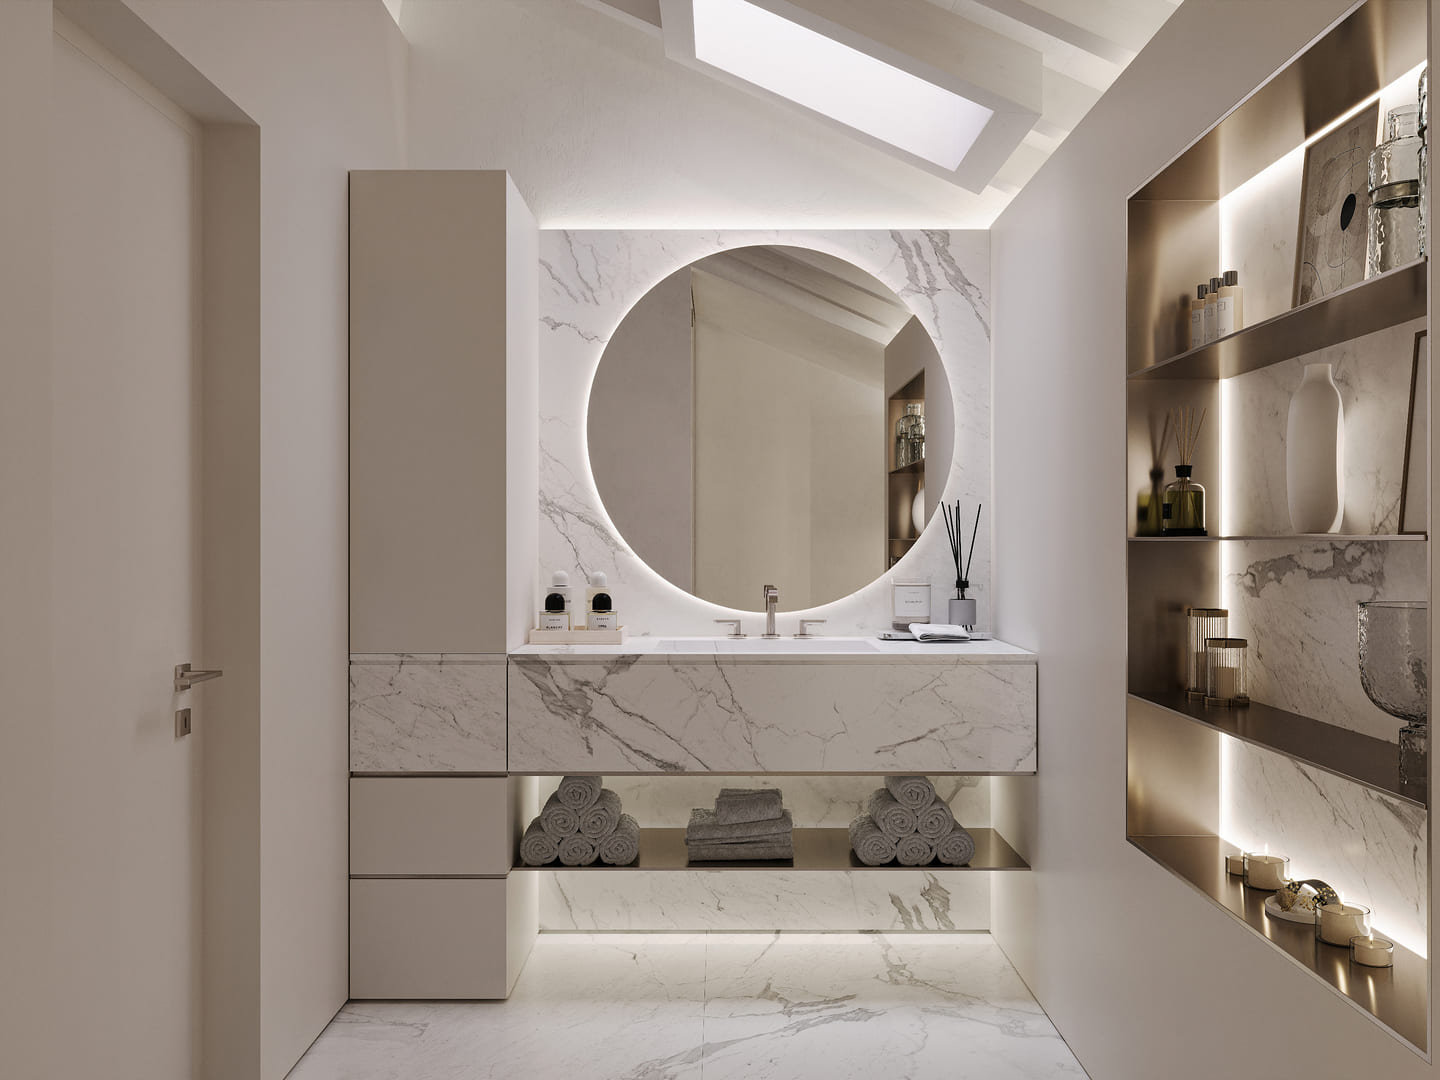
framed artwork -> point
(1415, 485)
(1334, 205)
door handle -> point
(186, 678)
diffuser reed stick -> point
(955, 530)
(1186, 426)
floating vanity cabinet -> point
(1310, 767)
(444, 467)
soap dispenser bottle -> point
(1197, 317)
(600, 613)
(556, 612)
(1212, 311)
(1229, 309)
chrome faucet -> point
(772, 597)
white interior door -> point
(127, 573)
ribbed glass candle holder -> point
(1201, 623)
(1227, 671)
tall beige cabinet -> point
(444, 466)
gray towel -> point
(734, 806)
(894, 820)
(871, 846)
(599, 821)
(536, 847)
(579, 792)
(913, 850)
(578, 851)
(956, 848)
(934, 821)
(911, 792)
(704, 827)
(621, 847)
(558, 820)
(756, 851)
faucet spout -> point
(772, 598)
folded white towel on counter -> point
(939, 632)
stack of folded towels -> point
(747, 824)
(907, 822)
(580, 823)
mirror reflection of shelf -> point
(902, 482)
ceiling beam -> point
(1060, 29)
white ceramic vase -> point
(917, 511)
(1315, 453)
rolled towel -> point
(599, 821)
(911, 792)
(735, 806)
(538, 848)
(558, 820)
(871, 846)
(955, 848)
(757, 851)
(913, 850)
(579, 792)
(894, 820)
(621, 847)
(704, 826)
(578, 851)
(934, 821)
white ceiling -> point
(1085, 44)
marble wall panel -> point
(1368, 845)
(590, 280)
(628, 716)
(1295, 603)
(427, 713)
(806, 900)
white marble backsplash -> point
(1368, 845)
(624, 716)
(1373, 374)
(1295, 604)
(413, 712)
(794, 900)
(590, 280)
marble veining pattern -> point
(1369, 846)
(625, 717)
(742, 900)
(1295, 604)
(683, 1007)
(590, 280)
(427, 713)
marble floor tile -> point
(691, 1006)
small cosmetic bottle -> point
(1197, 317)
(600, 613)
(556, 612)
(1212, 311)
(1229, 307)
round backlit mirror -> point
(768, 415)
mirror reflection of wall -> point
(741, 427)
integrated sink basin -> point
(760, 646)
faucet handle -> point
(735, 627)
(804, 623)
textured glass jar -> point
(1227, 671)
(1394, 237)
(910, 436)
(1394, 639)
(1182, 511)
(1201, 623)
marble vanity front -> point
(848, 705)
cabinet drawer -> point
(432, 825)
(432, 938)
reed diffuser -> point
(1182, 511)
(962, 608)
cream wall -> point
(1200, 994)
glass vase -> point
(1394, 236)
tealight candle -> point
(1372, 951)
(1266, 871)
(1235, 865)
(1336, 924)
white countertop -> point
(757, 650)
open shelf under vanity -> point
(815, 849)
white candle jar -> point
(1235, 865)
(1370, 951)
(1336, 924)
(1201, 623)
(1268, 872)
(1227, 672)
